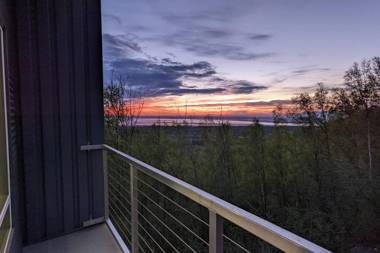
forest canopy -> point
(320, 180)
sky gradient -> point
(239, 57)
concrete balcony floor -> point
(95, 239)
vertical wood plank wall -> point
(60, 64)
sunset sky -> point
(241, 57)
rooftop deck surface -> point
(95, 239)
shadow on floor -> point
(95, 239)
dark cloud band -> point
(165, 77)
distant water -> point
(146, 121)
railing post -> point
(134, 206)
(215, 233)
(105, 171)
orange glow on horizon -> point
(201, 107)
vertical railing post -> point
(134, 206)
(106, 193)
(215, 233)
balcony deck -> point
(95, 239)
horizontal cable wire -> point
(173, 202)
(118, 172)
(126, 209)
(158, 232)
(119, 176)
(122, 195)
(117, 181)
(176, 204)
(118, 166)
(120, 200)
(119, 189)
(117, 169)
(125, 189)
(151, 237)
(112, 176)
(166, 226)
(174, 218)
(236, 244)
(121, 214)
(146, 244)
(142, 249)
(122, 231)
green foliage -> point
(285, 176)
(312, 180)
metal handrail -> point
(265, 230)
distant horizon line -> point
(243, 118)
(200, 121)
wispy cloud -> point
(271, 104)
(243, 87)
(259, 37)
(111, 18)
(183, 91)
(207, 11)
(205, 42)
(288, 75)
(206, 34)
(124, 43)
(237, 53)
(309, 69)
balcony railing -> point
(149, 210)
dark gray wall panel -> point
(66, 108)
(96, 117)
(61, 103)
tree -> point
(362, 94)
(314, 112)
(256, 162)
(123, 106)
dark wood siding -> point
(61, 103)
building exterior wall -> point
(60, 61)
